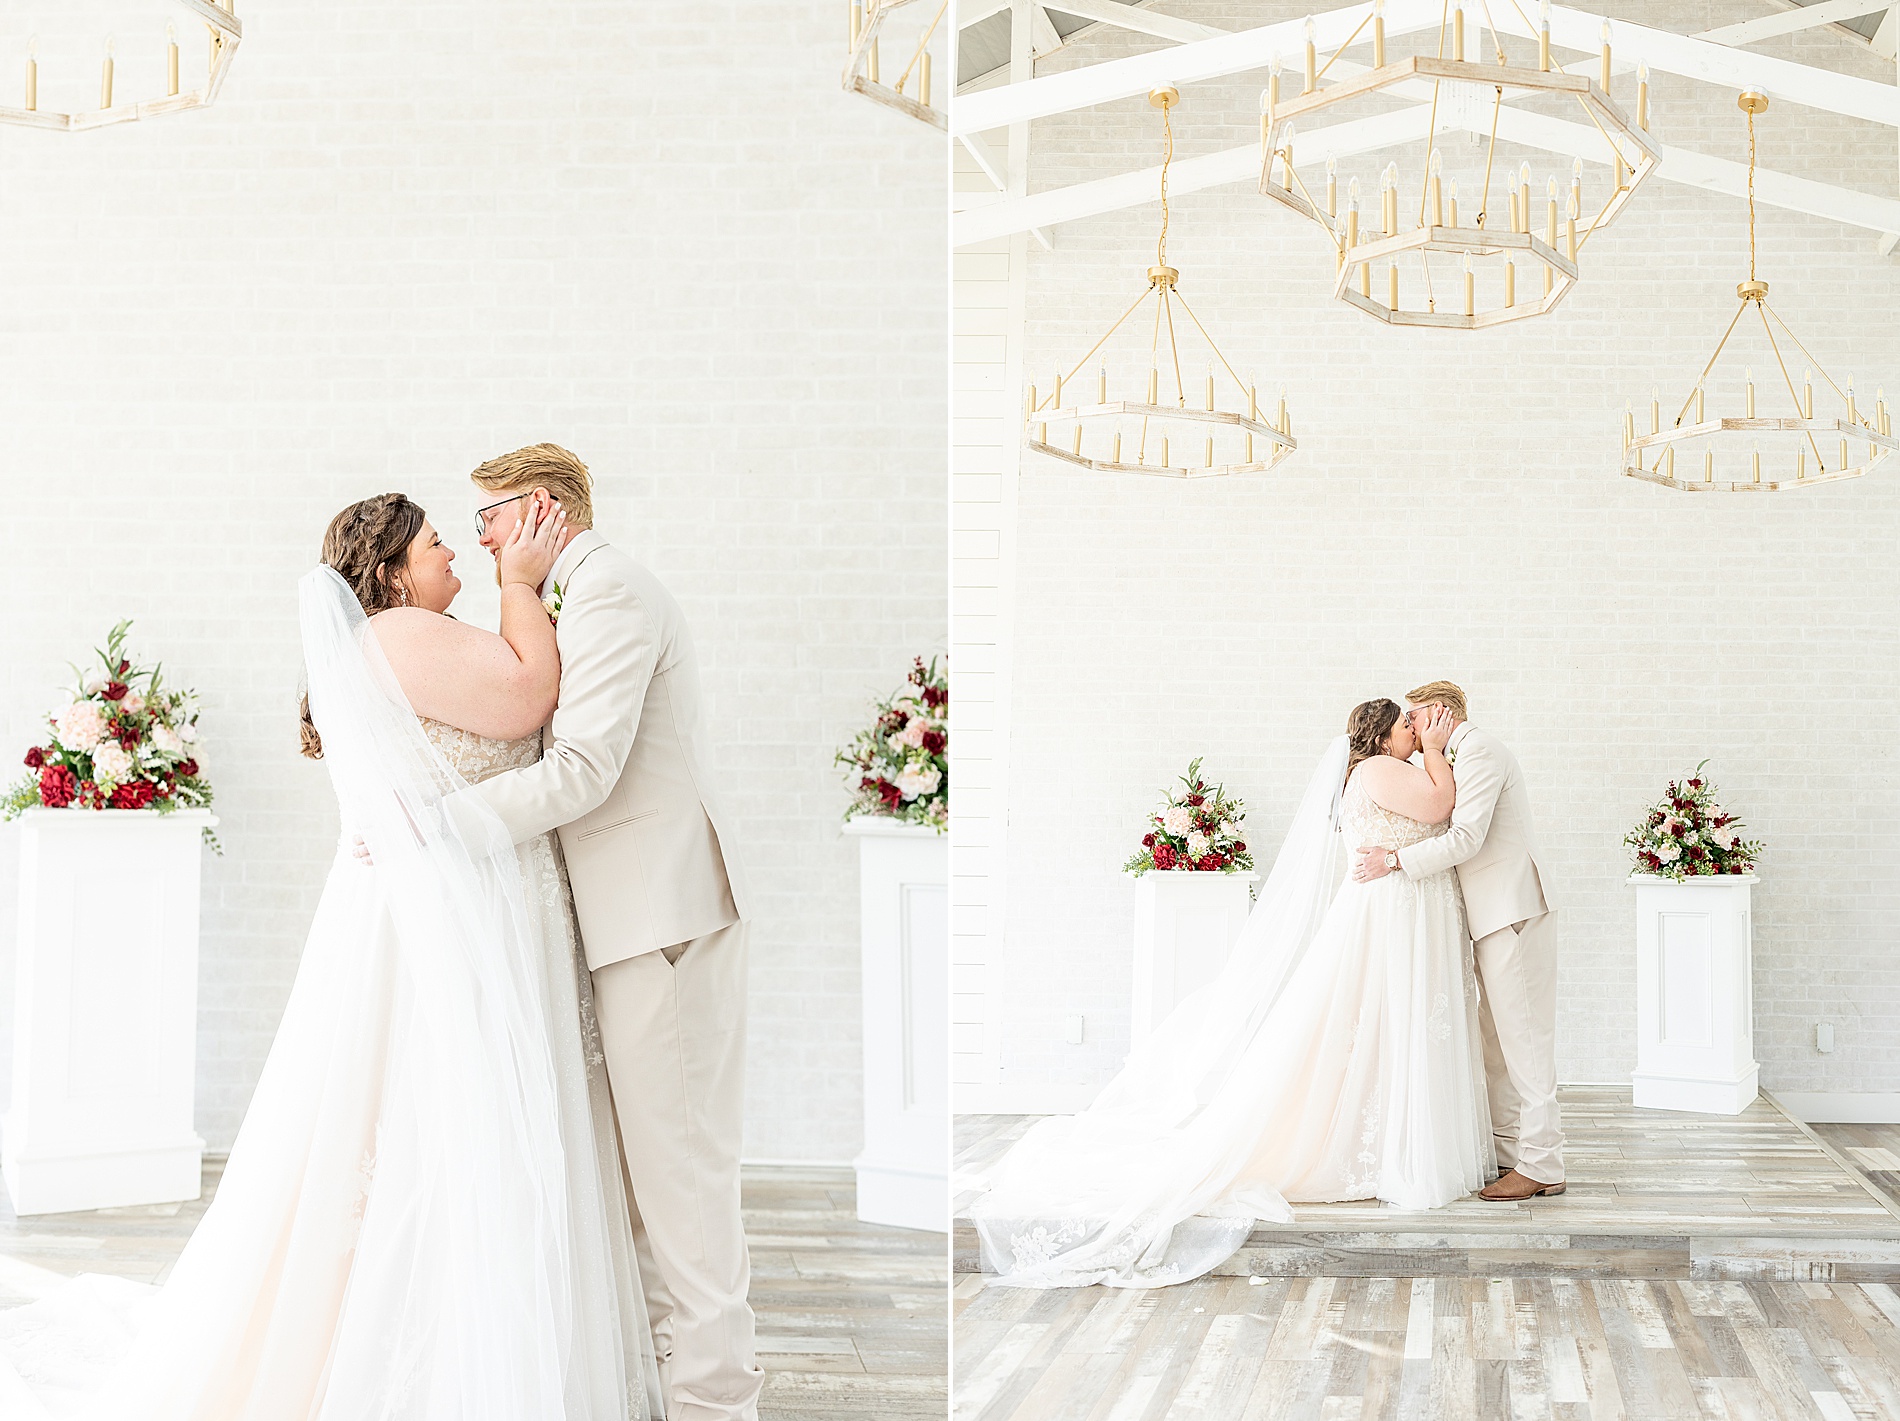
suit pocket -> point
(595, 830)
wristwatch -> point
(1391, 860)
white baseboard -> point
(1842, 1107)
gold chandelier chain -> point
(1167, 157)
(1751, 196)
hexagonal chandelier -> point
(223, 34)
(862, 70)
(1145, 436)
(1494, 267)
(1833, 441)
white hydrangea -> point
(188, 733)
(111, 764)
(914, 780)
(1669, 853)
(1196, 844)
(167, 740)
(80, 726)
(1178, 820)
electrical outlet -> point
(1072, 1028)
(1824, 1036)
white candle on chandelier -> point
(1284, 426)
(1471, 289)
(171, 59)
(856, 28)
(1576, 187)
(1352, 214)
(1273, 87)
(105, 77)
(1154, 385)
(1807, 394)
(1748, 376)
(1438, 187)
(1389, 180)
(871, 58)
(1286, 156)
(1101, 386)
(1312, 58)
(1117, 455)
(1378, 34)
(1210, 385)
(1332, 187)
(1543, 35)
(1458, 33)
(1642, 96)
(1550, 226)
(1708, 466)
(1570, 228)
(1524, 190)
(1801, 461)
(1655, 410)
(1510, 282)
(33, 73)
(1392, 286)
(1698, 404)
(1164, 451)
(1629, 425)
(1880, 410)
(1076, 446)
(1755, 459)
(1057, 399)
(1452, 202)
(923, 97)
(1210, 451)
(1851, 419)
(1606, 57)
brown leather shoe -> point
(1512, 1186)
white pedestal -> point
(105, 1011)
(904, 886)
(1695, 995)
(1185, 925)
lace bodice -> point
(475, 757)
(1367, 825)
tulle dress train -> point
(1336, 1058)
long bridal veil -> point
(1134, 1191)
(401, 1231)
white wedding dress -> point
(1336, 1057)
(423, 1217)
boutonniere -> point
(1451, 756)
(553, 603)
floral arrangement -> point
(1198, 829)
(1686, 834)
(126, 741)
(900, 766)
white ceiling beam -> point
(1147, 22)
(1230, 165)
(1559, 136)
(1185, 64)
(1044, 36)
(1788, 22)
(1885, 38)
(1252, 49)
(995, 169)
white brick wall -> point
(406, 240)
(1453, 511)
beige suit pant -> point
(674, 1035)
(1517, 1013)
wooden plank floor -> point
(852, 1317)
(1652, 1194)
(1435, 1349)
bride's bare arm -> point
(1427, 794)
(503, 687)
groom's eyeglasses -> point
(481, 514)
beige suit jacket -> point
(1490, 841)
(620, 774)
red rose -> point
(127, 734)
(1164, 856)
(935, 696)
(187, 768)
(124, 666)
(888, 792)
(1240, 848)
(133, 794)
(115, 691)
(58, 786)
(1195, 801)
(35, 757)
(1147, 841)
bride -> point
(422, 1218)
(1335, 1057)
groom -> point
(661, 910)
(1491, 846)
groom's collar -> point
(578, 547)
(1458, 735)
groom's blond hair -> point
(547, 466)
(1440, 693)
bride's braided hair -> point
(1366, 730)
(368, 545)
